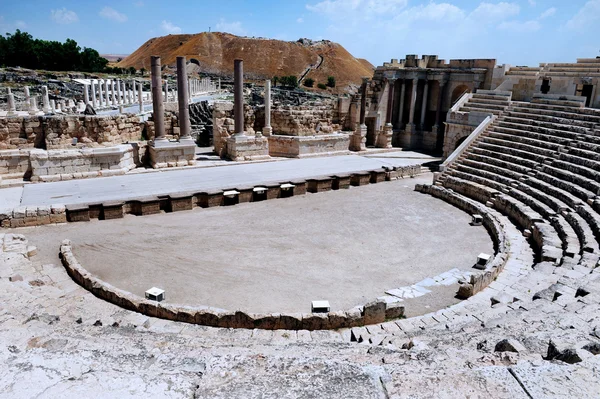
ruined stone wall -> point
(304, 120)
(171, 126)
(56, 132)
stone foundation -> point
(247, 148)
(307, 146)
(170, 154)
(55, 165)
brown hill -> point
(263, 58)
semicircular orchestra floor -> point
(347, 247)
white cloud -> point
(64, 16)
(112, 14)
(231, 27)
(521, 27)
(342, 9)
(169, 27)
(532, 3)
(588, 16)
(493, 13)
(548, 13)
(300, 20)
(20, 24)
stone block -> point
(209, 199)
(58, 218)
(377, 176)
(273, 190)
(266, 321)
(237, 319)
(78, 213)
(374, 312)
(246, 194)
(341, 181)
(112, 210)
(207, 317)
(360, 178)
(394, 310)
(145, 206)
(318, 184)
(289, 321)
(95, 210)
(338, 319)
(180, 202)
(315, 321)
(300, 188)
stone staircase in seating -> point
(539, 164)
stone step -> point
(525, 120)
(500, 99)
(559, 114)
(485, 105)
(532, 132)
(502, 148)
(522, 147)
(511, 135)
(473, 109)
(574, 69)
(564, 103)
(573, 107)
(522, 73)
(526, 113)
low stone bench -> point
(231, 197)
(273, 190)
(360, 178)
(207, 199)
(340, 181)
(319, 184)
(180, 202)
(78, 213)
(377, 175)
(95, 210)
(286, 190)
(145, 206)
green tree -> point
(309, 82)
(330, 81)
(322, 86)
(275, 80)
(132, 70)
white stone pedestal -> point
(170, 154)
(358, 139)
(247, 148)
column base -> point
(267, 131)
(358, 139)
(384, 138)
(247, 148)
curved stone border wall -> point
(478, 280)
(374, 312)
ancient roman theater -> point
(436, 230)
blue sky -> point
(519, 32)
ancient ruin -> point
(434, 229)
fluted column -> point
(93, 94)
(12, 109)
(363, 101)
(157, 101)
(86, 95)
(185, 128)
(438, 111)
(424, 107)
(45, 100)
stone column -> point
(45, 100)
(100, 93)
(166, 91)
(185, 127)
(390, 103)
(86, 95)
(106, 93)
(219, 84)
(118, 83)
(141, 97)
(438, 111)
(384, 140)
(238, 97)
(410, 127)
(424, 107)
(189, 90)
(363, 102)
(12, 108)
(401, 107)
(267, 130)
(27, 95)
(112, 92)
(53, 105)
(158, 114)
(33, 109)
(93, 94)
